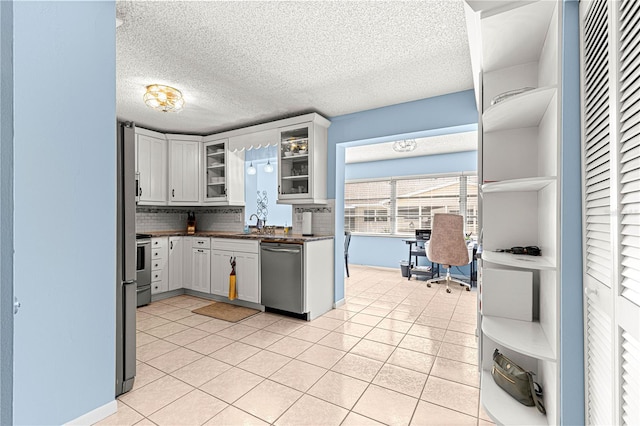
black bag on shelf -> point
(517, 382)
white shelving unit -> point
(523, 110)
(520, 142)
(515, 185)
(506, 410)
(525, 337)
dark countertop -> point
(275, 238)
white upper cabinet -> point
(302, 175)
(223, 173)
(184, 169)
(151, 166)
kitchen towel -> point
(232, 280)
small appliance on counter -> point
(306, 224)
(191, 223)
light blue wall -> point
(451, 113)
(6, 213)
(571, 315)
(388, 251)
(64, 82)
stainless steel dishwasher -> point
(281, 276)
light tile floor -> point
(395, 353)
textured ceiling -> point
(467, 141)
(241, 63)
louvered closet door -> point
(598, 281)
(628, 151)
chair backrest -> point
(347, 241)
(447, 245)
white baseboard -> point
(338, 303)
(94, 416)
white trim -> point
(339, 303)
(409, 177)
(94, 416)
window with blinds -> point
(629, 149)
(367, 207)
(400, 206)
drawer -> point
(157, 263)
(229, 244)
(160, 242)
(203, 243)
(157, 275)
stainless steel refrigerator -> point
(126, 285)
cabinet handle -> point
(171, 245)
(200, 251)
(140, 194)
(200, 242)
(279, 190)
(173, 193)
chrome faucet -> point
(259, 222)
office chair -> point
(347, 241)
(447, 246)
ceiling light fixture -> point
(251, 170)
(406, 145)
(163, 98)
(268, 168)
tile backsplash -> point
(230, 219)
(322, 221)
(174, 219)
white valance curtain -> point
(254, 140)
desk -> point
(420, 250)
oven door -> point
(143, 262)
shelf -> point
(296, 157)
(216, 166)
(521, 185)
(215, 154)
(299, 177)
(215, 184)
(295, 140)
(519, 111)
(505, 410)
(516, 36)
(518, 260)
(525, 337)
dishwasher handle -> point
(281, 250)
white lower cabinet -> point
(175, 262)
(201, 270)
(159, 258)
(247, 268)
(248, 276)
(220, 271)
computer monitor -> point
(423, 234)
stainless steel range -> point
(143, 269)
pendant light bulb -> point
(268, 168)
(251, 170)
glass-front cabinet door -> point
(296, 162)
(215, 158)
